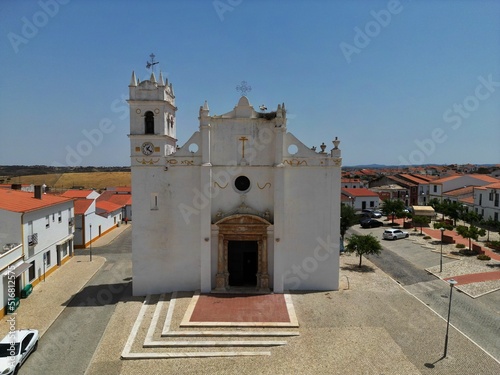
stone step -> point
(231, 343)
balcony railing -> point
(33, 239)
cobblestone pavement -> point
(370, 326)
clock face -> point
(147, 148)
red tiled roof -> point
(469, 200)
(460, 191)
(77, 193)
(485, 177)
(82, 205)
(361, 192)
(495, 185)
(107, 206)
(116, 198)
(415, 179)
(21, 201)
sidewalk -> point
(50, 297)
(474, 277)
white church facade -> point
(242, 204)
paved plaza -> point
(371, 325)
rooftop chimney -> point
(38, 192)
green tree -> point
(471, 217)
(393, 207)
(348, 218)
(491, 225)
(442, 224)
(363, 244)
(420, 221)
(470, 233)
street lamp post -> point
(91, 242)
(441, 258)
(452, 284)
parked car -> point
(15, 349)
(377, 214)
(394, 234)
(370, 223)
(363, 216)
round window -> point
(242, 183)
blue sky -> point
(399, 82)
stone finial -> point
(162, 83)
(133, 80)
(336, 143)
(323, 147)
(152, 78)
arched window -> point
(149, 122)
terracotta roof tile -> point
(82, 205)
(21, 201)
(360, 192)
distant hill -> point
(57, 178)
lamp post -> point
(441, 258)
(91, 242)
(452, 284)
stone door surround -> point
(242, 227)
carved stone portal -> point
(242, 227)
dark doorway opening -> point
(242, 263)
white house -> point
(243, 203)
(442, 185)
(487, 201)
(93, 218)
(36, 234)
(360, 198)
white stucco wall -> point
(175, 243)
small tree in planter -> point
(420, 221)
(471, 233)
(443, 224)
(363, 245)
(392, 207)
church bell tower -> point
(152, 120)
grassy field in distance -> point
(95, 180)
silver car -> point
(394, 234)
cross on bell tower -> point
(151, 64)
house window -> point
(59, 219)
(372, 204)
(154, 201)
(47, 221)
(480, 199)
(435, 188)
(149, 123)
(53, 217)
(114, 220)
(31, 271)
(495, 216)
(47, 258)
(497, 196)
